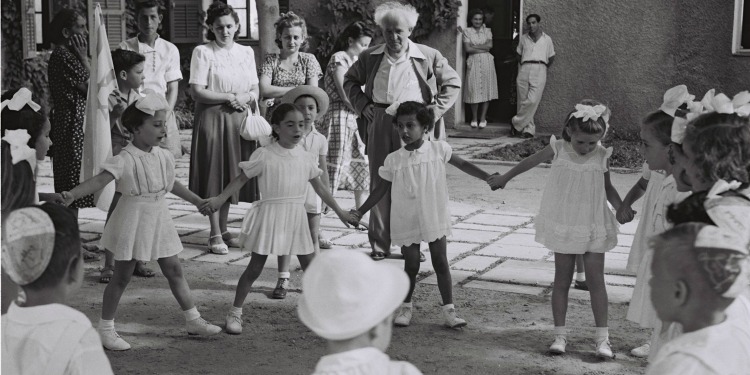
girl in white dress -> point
(276, 224)
(415, 175)
(574, 217)
(141, 226)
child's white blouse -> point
(142, 173)
(316, 145)
(419, 193)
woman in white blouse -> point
(224, 83)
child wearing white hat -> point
(350, 301)
(42, 254)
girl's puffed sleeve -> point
(254, 166)
(199, 66)
(555, 144)
(312, 170)
(386, 172)
(446, 151)
(114, 165)
(267, 67)
(312, 67)
(170, 169)
(605, 159)
(646, 171)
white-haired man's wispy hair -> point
(394, 10)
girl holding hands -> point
(415, 174)
(574, 217)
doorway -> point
(503, 18)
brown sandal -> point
(106, 275)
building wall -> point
(627, 53)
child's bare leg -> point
(304, 260)
(564, 264)
(115, 288)
(172, 270)
(248, 277)
(442, 269)
(313, 220)
(223, 216)
(594, 263)
(411, 266)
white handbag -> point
(254, 127)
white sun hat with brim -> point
(346, 294)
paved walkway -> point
(490, 249)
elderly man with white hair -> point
(397, 71)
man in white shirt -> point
(535, 54)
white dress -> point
(574, 217)
(645, 225)
(316, 145)
(419, 194)
(141, 226)
(654, 221)
(277, 224)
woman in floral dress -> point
(481, 79)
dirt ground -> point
(507, 333)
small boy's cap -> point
(29, 243)
(308, 90)
(346, 293)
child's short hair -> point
(132, 118)
(287, 21)
(67, 245)
(660, 124)
(317, 106)
(714, 269)
(424, 114)
(279, 113)
(124, 60)
(590, 126)
(721, 143)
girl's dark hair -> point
(473, 13)
(423, 113)
(721, 145)
(355, 30)
(661, 123)
(289, 20)
(693, 207)
(279, 113)
(216, 10)
(18, 185)
(598, 126)
(133, 118)
(64, 19)
(67, 245)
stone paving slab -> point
(190, 251)
(482, 227)
(474, 263)
(519, 239)
(457, 276)
(508, 221)
(516, 252)
(521, 272)
(464, 235)
(508, 288)
(508, 213)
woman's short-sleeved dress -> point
(217, 147)
(419, 193)
(277, 224)
(307, 67)
(574, 217)
(141, 226)
(316, 145)
(481, 79)
(347, 164)
(65, 72)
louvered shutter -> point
(113, 14)
(28, 25)
(185, 25)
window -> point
(741, 32)
(248, 14)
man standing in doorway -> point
(535, 54)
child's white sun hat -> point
(346, 293)
(320, 96)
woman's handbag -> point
(254, 126)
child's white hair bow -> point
(674, 98)
(19, 147)
(587, 112)
(711, 102)
(151, 103)
(21, 98)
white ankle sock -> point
(448, 307)
(236, 311)
(561, 331)
(406, 304)
(580, 276)
(191, 314)
(106, 324)
(285, 275)
(602, 333)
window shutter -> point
(113, 14)
(186, 20)
(28, 24)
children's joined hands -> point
(497, 181)
(625, 214)
(209, 205)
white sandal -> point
(219, 248)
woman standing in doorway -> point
(481, 78)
